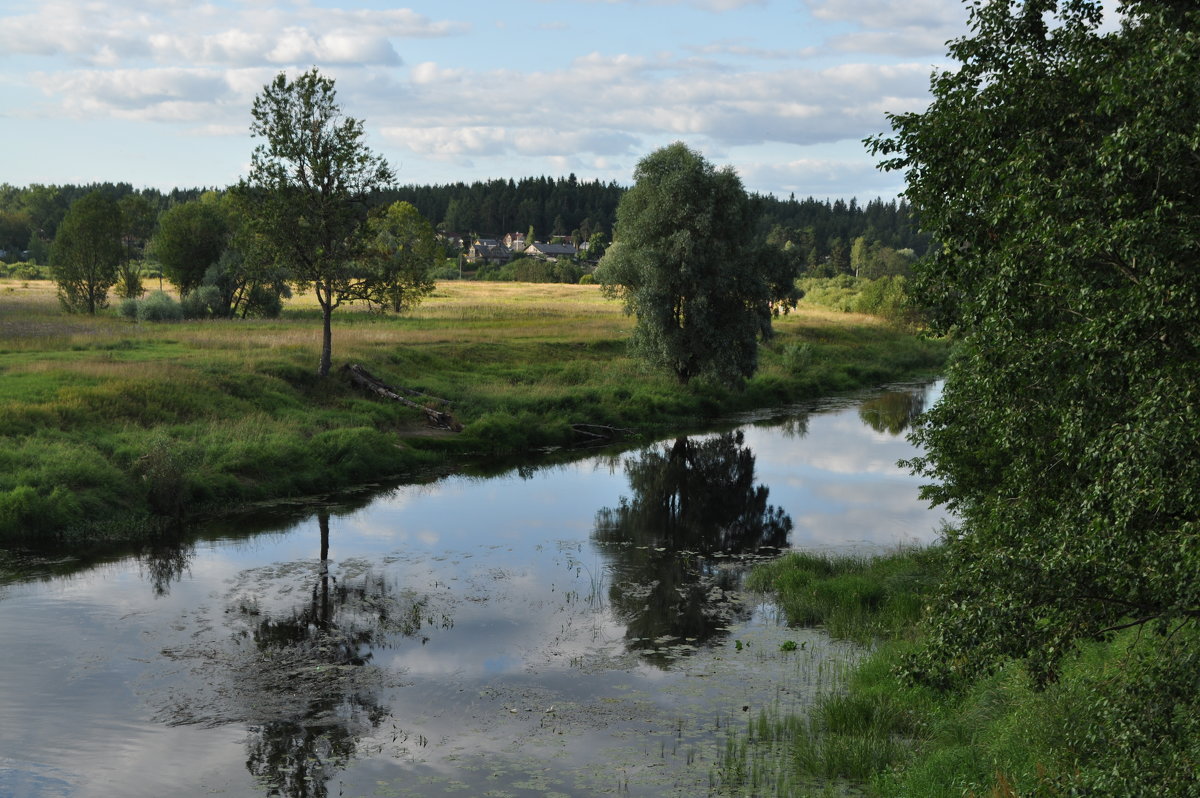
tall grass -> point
(1105, 728)
(854, 730)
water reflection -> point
(693, 502)
(313, 690)
(892, 412)
(264, 657)
(164, 562)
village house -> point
(550, 251)
(488, 250)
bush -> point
(159, 307)
(204, 302)
(25, 271)
(128, 309)
(797, 356)
(24, 510)
(129, 280)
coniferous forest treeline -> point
(823, 231)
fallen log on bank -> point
(368, 381)
(599, 432)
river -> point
(566, 628)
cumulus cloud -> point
(109, 33)
(887, 27)
(644, 96)
(739, 48)
(464, 142)
(889, 14)
(165, 94)
(706, 5)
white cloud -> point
(110, 34)
(464, 142)
(644, 96)
(706, 5)
(890, 14)
(168, 94)
(818, 177)
(888, 27)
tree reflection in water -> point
(316, 682)
(693, 503)
(164, 563)
(892, 412)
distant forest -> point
(826, 236)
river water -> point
(566, 628)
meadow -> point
(110, 428)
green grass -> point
(854, 597)
(1106, 727)
(101, 417)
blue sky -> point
(158, 92)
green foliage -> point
(190, 239)
(1058, 165)
(25, 271)
(158, 306)
(128, 309)
(138, 219)
(686, 266)
(165, 469)
(24, 508)
(205, 302)
(403, 251)
(307, 192)
(87, 249)
(855, 597)
(129, 279)
(887, 297)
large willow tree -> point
(686, 264)
(1059, 165)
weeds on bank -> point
(1097, 730)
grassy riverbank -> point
(1098, 730)
(107, 425)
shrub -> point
(797, 356)
(128, 309)
(129, 280)
(159, 307)
(204, 302)
(23, 510)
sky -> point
(157, 93)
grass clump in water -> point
(854, 597)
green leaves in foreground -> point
(1058, 165)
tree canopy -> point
(191, 237)
(403, 250)
(1058, 164)
(309, 184)
(686, 264)
(86, 252)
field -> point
(109, 427)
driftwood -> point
(599, 432)
(437, 418)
